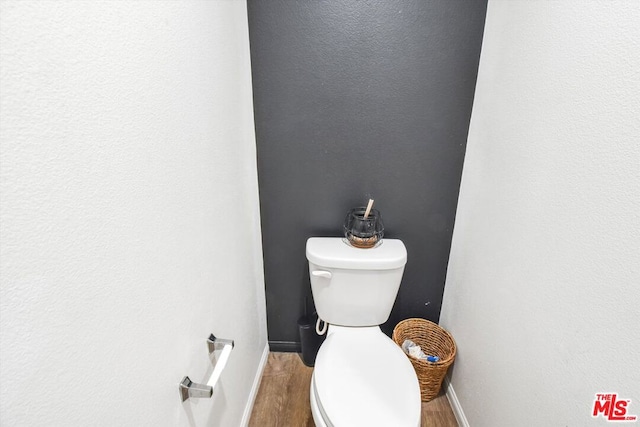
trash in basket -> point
(433, 341)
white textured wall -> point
(129, 212)
(543, 286)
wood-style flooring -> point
(283, 397)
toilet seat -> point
(362, 378)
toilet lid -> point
(362, 378)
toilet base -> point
(344, 385)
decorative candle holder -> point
(362, 232)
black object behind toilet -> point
(310, 341)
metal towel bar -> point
(189, 389)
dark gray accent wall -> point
(360, 99)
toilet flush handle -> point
(321, 273)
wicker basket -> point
(433, 340)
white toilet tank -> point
(352, 286)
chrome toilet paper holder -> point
(189, 389)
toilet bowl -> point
(361, 377)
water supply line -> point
(324, 327)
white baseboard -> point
(246, 416)
(455, 404)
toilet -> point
(361, 377)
